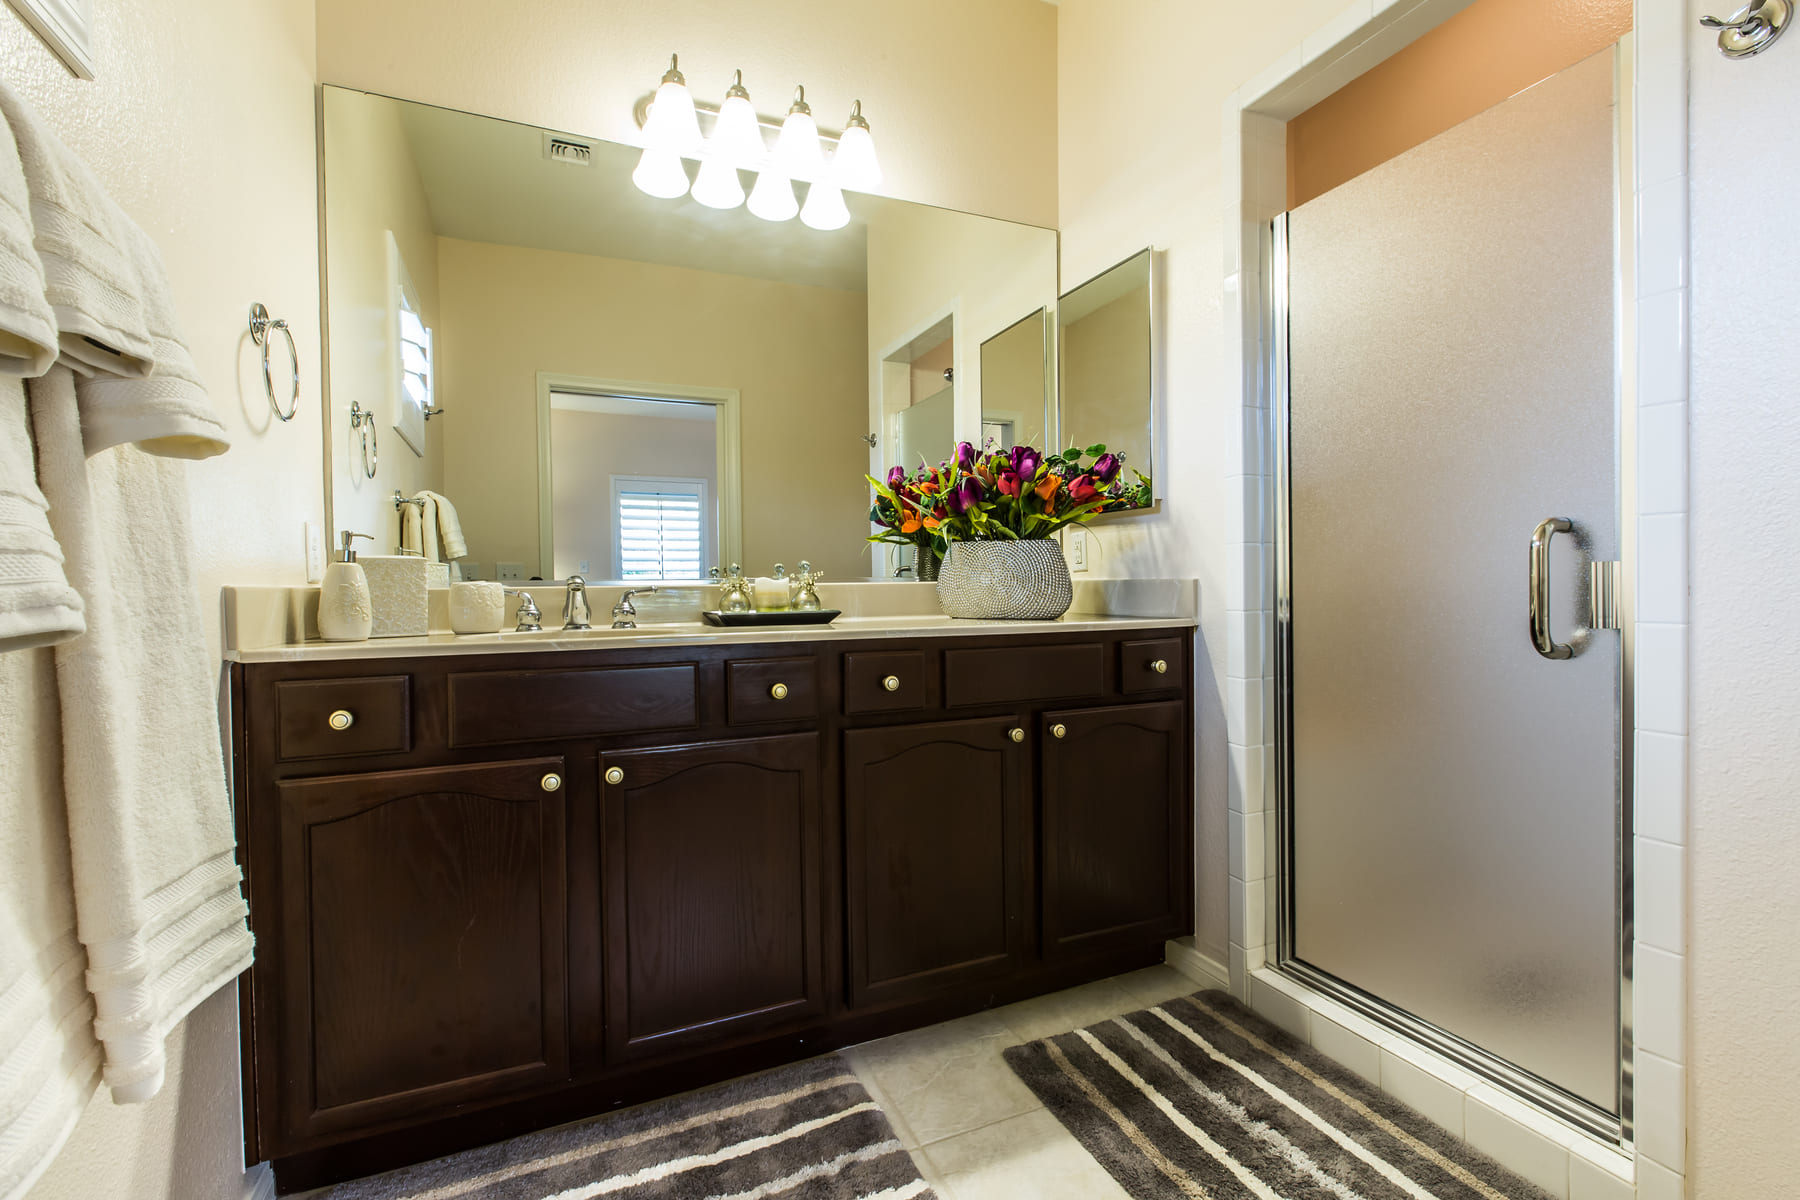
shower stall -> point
(1452, 423)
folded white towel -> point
(412, 529)
(89, 278)
(37, 605)
(27, 326)
(157, 886)
(169, 412)
(428, 527)
(49, 1057)
(451, 545)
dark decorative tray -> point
(823, 616)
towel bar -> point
(260, 325)
(400, 500)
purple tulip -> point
(1025, 462)
(896, 477)
(965, 457)
(1106, 467)
(964, 496)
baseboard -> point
(259, 1182)
(1202, 968)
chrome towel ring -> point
(362, 421)
(260, 326)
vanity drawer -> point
(1138, 662)
(771, 689)
(337, 718)
(491, 708)
(895, 681)
(1006, 674)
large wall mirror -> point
(1108, 351)
(625, 387)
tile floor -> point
(976, 1132)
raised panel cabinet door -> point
(710, 882)
(938, 841)
(1116, 799)
(420, 942)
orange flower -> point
(929, 487)
(932, 523)
(1047, 489)
(909, 523)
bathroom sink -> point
(555, 633)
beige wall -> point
(1106, 380)
(372, 190)
(1744, 657)
(201, 124)
(794, 353)
(587, 449)
(1012, 381)
(961, 96)
(1141, 89)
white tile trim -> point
(1361, 35)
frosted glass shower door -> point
(1454, 798)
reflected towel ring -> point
(363, 421)
(260, 325)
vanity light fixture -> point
(772, 198)
(824, 206)
(717, 185)
(854, 166)
(672, 124)
(797, 153)
(660, 173)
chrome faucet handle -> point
(623, 612)
(530, 619)
(575, 605)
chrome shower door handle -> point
(1539, 573)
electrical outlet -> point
(1075, 549)
(470, 568)
(315, 553)
(509, 572)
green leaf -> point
(1097, 449)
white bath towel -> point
(89, 278)
(157, 886)
(419, 528)
(28, 342)
(49, 1058)
(37, 605)
(451, 545)
(168, 412)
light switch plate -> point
(509, 572)
(315, 553)
(1075, 549)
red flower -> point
(1082, 489)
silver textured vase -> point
(1006, 581)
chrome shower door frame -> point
(1533, 1089)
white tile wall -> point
(1569, 1162)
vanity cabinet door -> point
(938, 839)
(1116, 799)
(711, 866)
(418, 941)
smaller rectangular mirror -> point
(1014, 395)
(1105, 335)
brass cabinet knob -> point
(1059, 731)
(1017, 735)
(341, 720)
(779, 691)
(551, 781)
(1160, 666)
(614, 775)
(891, 683)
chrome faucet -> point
(575, 605)
(623, 613)
(530, 619)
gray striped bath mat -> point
(1200, 1098)
(805, 1132)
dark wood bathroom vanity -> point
(494, 891)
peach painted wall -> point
(1471, 62)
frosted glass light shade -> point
(797, 153)
(825, 207)
(660, 174)
(718, 185)
(671, 123)
(737, 135)
(772, 198)
(854, 166)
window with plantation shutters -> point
(659, 527)
(414, 380)
(415, 356)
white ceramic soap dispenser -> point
(344, 613)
